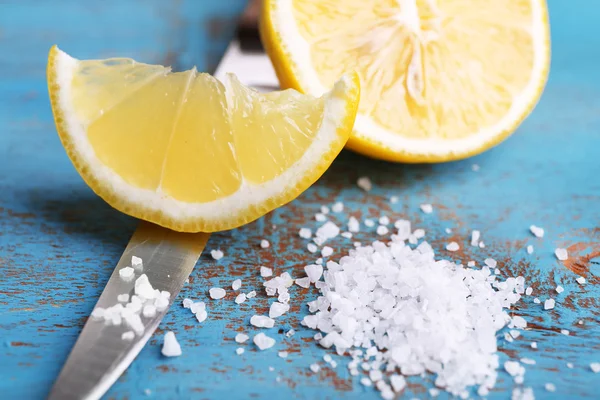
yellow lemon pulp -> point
(441, 80)
(186, 151)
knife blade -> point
(100, 355)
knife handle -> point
(247, 30)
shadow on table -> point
(78, 211)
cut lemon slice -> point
(188, 152)
(441, 80)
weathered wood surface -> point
(59, 243)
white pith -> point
(366, 128)
(247, 196)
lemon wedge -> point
(186, 151)
(441, 80)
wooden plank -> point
(59, 242)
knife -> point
(100, 354)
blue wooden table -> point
(59, 242)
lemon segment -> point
(188, 152)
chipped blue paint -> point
(59, 243)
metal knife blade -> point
(100, 355)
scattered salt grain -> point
(314, 272)
(251, 294)
(514, 333)
(471, 264)
(337, 207)
(365, 381)
(536, 301)
(452, 246)
(561, 254)
(217, 293)
(171, 347)
(581, 280)
(266, 272)
(241, 338)
(312, 247)
(382, 230)
(216, 254)
(448, 231)
(565, 332)
(530, 249)
(290, 333)
(537, 231)
(595, 367)
(570, 365)
(549, 304)
(534, 345)
(384, 220)
(236, 284)
(475, 167)
(239, 351)
(305, 233)
(303, 282)
(129, 335)
(347, 235)
(528, 291)
(201, 315)
(369, 223)
(137, 263)
(475, 235)
(559, 289)
(315, 368)
(319, 217)
(327, 358)
(514, 368)
(187, 303)
(324, 210)
(326, 251)
(123, 298)
(353, 225)
(550, 387)
(240, 298)
(364, 183)
(394, 199)
(126, 273)
(527, 361)
(263, 342)
(481, 245)
(283, 354)
(398, 383)
(522, 394)
(265, 244)
(580, 322)
(490, 262)
(278, 309)
(262, 321)
(427, 208)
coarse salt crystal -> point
(161, 303)
(282, 354)
(241, 338)
(471, 264)
(263, 341)
(570, 365)
(216, 254)
(265, 244)
(490, 262)
(337, 207)
(236, 284)
(315, 368)
(534, 345)
(305, 233)
(137, 263)
(514, 333)
(347, 235)
(251, 294)
(481, 245)
(419, 233)
(239, 351)
(201, 315)
(364, 183)
(217, 293)
(278, 309)
(314, 272)
(326, 251)
(262, 321)
(559, 289)
(537, 231)
(528, 291)
(384, 220)
(394, 199)
(303, 282)
(149, 311)
(369, 223)
(398, 382)
(187, 303)
(550, 387)
(312, 247)
(427, 208)
(452, 246)
(475, 235)
(513, 368)
(324, 210)
(581, 280)
(365, 381)
(129, 335)
(549, 304)
(197, 306)
(530, 249)
(353, 225)
(123, 298)
(595, 367)
(171, 347)
(561, 254)
(565, 332)
(382, 230)
(320, 217)
(126, 273)
(290, 333)
(266, 272)
(527, 361)
(240, 298)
